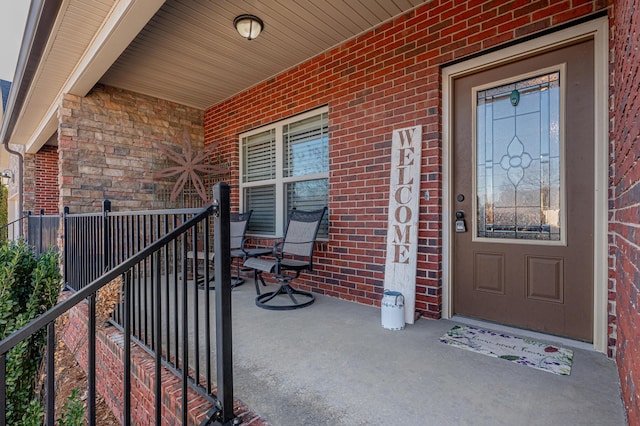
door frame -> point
(598, 30)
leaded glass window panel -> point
(518, 160)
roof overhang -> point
(68, 46)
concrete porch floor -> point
(333, 364)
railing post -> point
(41, 219)
(25, 233)
(65, 245)
(126, 381)
(91, 361)
(224, 349)
(106, 209)
(50, 376)
(3, 389)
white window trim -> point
(279, 180)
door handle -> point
(461, 225)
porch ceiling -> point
(190, 53)
(74, 29)
(185, 51)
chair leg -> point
(285, 288)
(211, 285)
(271, 295)
(255, 281)
(290, 292)
(237, 280)
(257, 275)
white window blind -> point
(261, 199)
(259, 153)
(306, 146)
(310, 195)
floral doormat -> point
(515, 349)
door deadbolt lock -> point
(461, 225)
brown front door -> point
(523, 183)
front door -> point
(523, 192)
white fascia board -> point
(125, 21)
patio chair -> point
(297, 245)
(237, 229)
(239, 223)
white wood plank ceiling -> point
(190, 52)
(80, 20)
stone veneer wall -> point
(108, 146)
(385, 79)
(625, 200)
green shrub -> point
(35, 414)
(29, 286)
(73, 410)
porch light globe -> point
(248, 26)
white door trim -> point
(598, 30)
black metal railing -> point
(116, 236)
(42, 231)
(12, 230)
(163, 310)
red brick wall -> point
(41, 190)
(110, 373)
(46, 180)
(625, 200)
(386, 79)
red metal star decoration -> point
(190, 164)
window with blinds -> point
(306, 147)
(259, 155)
(261, 199)
(310, 195)
(284, 166)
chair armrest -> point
(242, 244)
(300, 242)
(277, 250)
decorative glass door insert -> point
(519, 160)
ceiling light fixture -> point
(248, 26)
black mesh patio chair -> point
(238, 223)
(291, 256)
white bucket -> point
(392, 309)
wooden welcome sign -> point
(404, 205)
